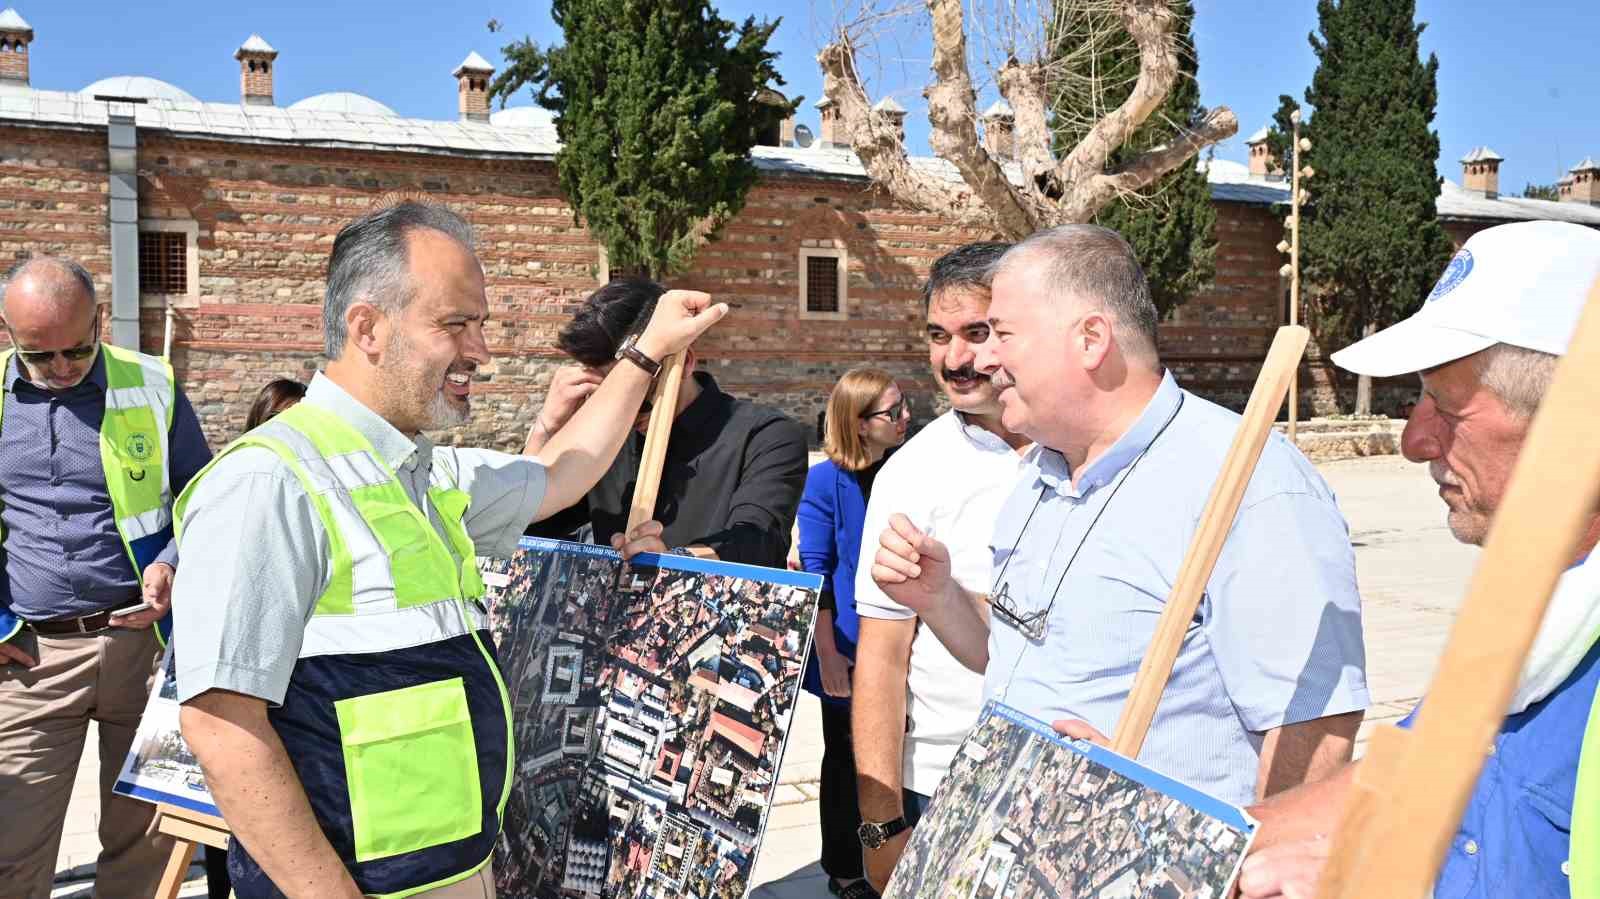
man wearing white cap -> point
(1485, 344)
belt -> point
(88, 624)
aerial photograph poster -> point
(652, 703)
(159, 766)
(1025, 812)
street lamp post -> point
(1291, 269)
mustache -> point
(1442, 476)
(964, 373)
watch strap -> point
(632, 353)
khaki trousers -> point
(44, 719)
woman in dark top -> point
(866, 418)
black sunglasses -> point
(71, 354)
(893, 412)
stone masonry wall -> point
(266, 218)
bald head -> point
(48, 305)
(48, 285)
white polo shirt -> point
(952, 477)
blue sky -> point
(1518, 77)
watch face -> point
(871, 834)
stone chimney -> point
(830, 123)
(256, 59)
(1582, 184)
(786, 131)
(894, 114)
(1262, 163)
(1480, 172)
(15, 36)
(1000, 131)
(472, 88)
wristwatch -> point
(631, 352)
(874, 834)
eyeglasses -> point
(71, 354)
(900, 408)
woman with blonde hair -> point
(867, 417)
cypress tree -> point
(656, 105)
(1169, 224)
(1371, 242)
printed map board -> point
(159, 766)
(652, 707)
(1027, 813)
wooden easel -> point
(1272, 385)
(1412, 789)
(189, 830)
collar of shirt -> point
(96, 376)
(981, 437)
(394, 448)
(699, 413)
(1056, 474)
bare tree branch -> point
(1023, 86)
(1086, 198)
(952, 111)
(1149, 22)
(878, 144)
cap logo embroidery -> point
(1460, 266)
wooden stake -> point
(1532, 540)
(1215, 522)
(663, 409)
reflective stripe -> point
(134, 397)
(369, 632)
(154, 521)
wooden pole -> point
(1294, 279)
(1206, 546)
(663, 409)
(1533, 538)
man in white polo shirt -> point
(913, 701)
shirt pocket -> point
(411, 768)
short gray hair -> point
(63, 266)
(370, 262)
(1519, 377)
(1097, 264)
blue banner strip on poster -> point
(781, 576)
(127, 788)
(1230, 815)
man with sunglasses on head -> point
(914, 702)
(1269, 685)
(734, 470)
(95, 441)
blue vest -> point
(1515, 835)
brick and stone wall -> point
(266, 217)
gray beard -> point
(444, 414)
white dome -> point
(523, 117)
(138, 86)
(343, 101)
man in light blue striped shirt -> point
(1269, 686)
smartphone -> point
(129, 610)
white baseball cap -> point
(1523, 284)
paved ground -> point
(1413, 576)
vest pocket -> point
(411, 765)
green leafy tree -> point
(657, 104)
(1540, 192)
(1371, 242)
(1170, 223)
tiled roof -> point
(1483, 154)
(254, 44)
(11, 20)
(473, 63)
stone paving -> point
(1412, 574)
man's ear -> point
(688, 362)
(1092, 340)
(367, 328)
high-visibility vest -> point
(396, 717)
(134, 453)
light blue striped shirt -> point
(1277, 638)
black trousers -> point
(840, 810)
